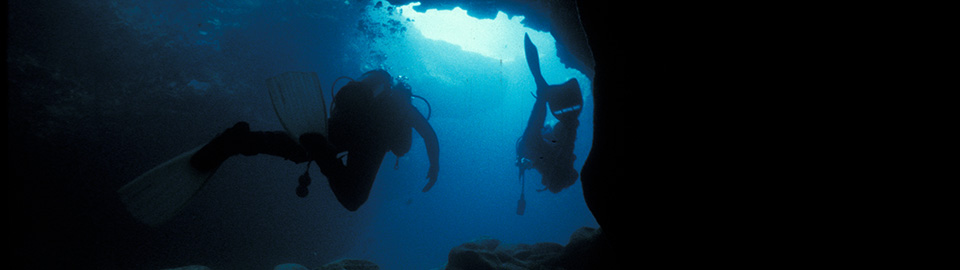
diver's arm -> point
(430, 141)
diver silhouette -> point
(549, 149)
(369, 117)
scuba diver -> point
(549, 149)
(368, 118)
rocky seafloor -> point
(588, 248)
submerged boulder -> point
(350, 264)
(477, 254)
(587, 249)
(525, 256)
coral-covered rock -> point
(350, 264)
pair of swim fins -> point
(563, 98)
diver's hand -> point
(432, 175)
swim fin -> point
(298, 101)
(565, 98)
(160, 193)
(533, 61)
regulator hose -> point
(429, 109)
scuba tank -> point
(348, 113)
(354, 109)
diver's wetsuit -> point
(364, 131)
(552, 158)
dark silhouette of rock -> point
(587, 249)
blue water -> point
(103, 91)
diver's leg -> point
(352, 184)
(537, 117)
(240, 140)
(531, 140)
(276, 143)
(323, 153)
(220, 148)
